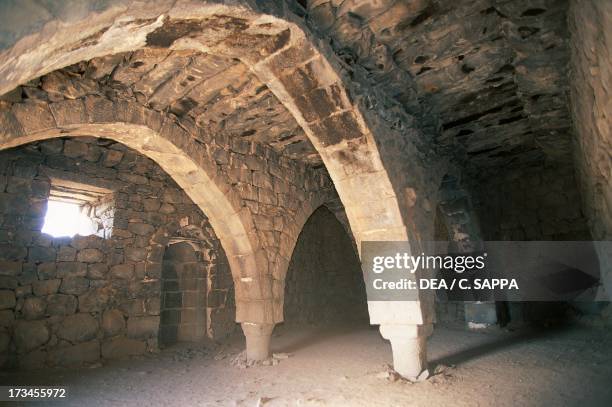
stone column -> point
(409, 347)
(257, 339)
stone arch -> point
(285, 58)
(362, 145)
(211, 315)
(316, 255)
(171, 147)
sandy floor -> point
(345, 367)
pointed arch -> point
(382, 194)
(162, 139)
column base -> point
(409, 347)
(257, 340)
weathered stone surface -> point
(46, 271)
(97, 271)
(78, 328)
(94, 300)
(71, 269)
(34, 308)
(142, 327)
(10, 268)
(7, 299)
(30, 334)
(46, 287)
(66, 253)
(113, 322)
(122, 271)
(90, 256)
(7, 317)
(74, 285)
(39, 254)
(61, 304)
(75, 355)
(122, 347)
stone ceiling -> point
(219, 93)
(487, 78)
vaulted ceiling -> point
(218, 93)
(488, 78)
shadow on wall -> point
(183, 295)
(324, 282)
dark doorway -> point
(183, 295)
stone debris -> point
(240, 360)
(182, 355)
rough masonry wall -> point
(73, 300)
(531, 204)
(590, 25)
(324, 282)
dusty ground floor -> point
(346, 366)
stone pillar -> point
(409, 347)
(257, 340)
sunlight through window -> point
(66, 219)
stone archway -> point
(147, 132)
(324, 282)
(384, 194)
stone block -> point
(113, 322)
(123, 271)
(46, 287)
(33, 360)
(7, 318)
(122, 347)
(94, 300)
(29, 335)
(141, 229)
(39, 254)
(66, 253)
(83, 242)
(34, 308)
(11, 203)
(78, 328)
(90, 256)
(152, 306)
(61, 304)
(75, 148)
(12, 252)
(10, 268)
(46, 271)
(97, 271)
(33, 116)
(8, 282)
(135, 254)
(112, 158)
(5, 340)
(23, 291)
(86, 352)
(67, 269)
(74, 285)
(142, 327)
(7, 299)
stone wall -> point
(590, 25)
(73, 300)
(531, 204)
(270, 193)
(324, 282)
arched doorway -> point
(324, 283)
(183, 295)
